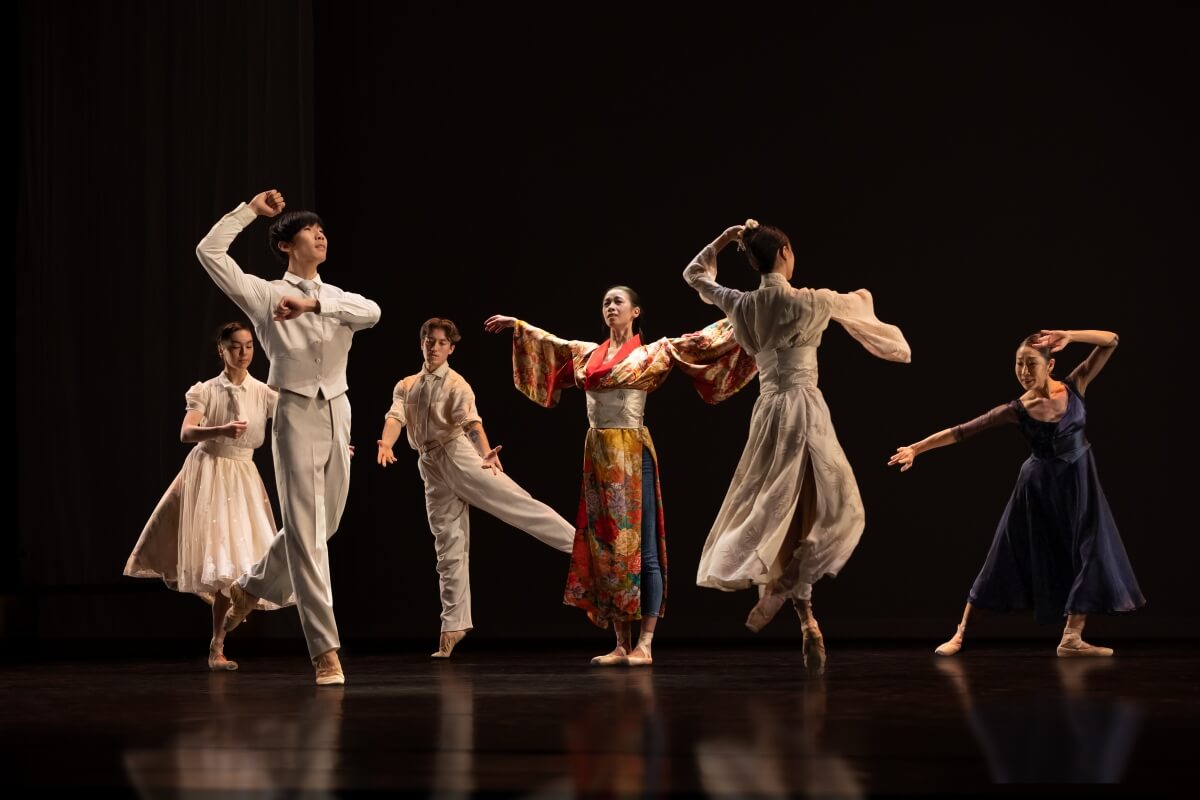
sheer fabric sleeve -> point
(701, 275)
(855, 311)
(712, 358)
(1000, 415)
(543, 364)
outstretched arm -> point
(1000, 415)
(489, 454)
(392, 425)
(1105, 342)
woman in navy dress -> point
(1057, 549)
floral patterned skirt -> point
(605, 578)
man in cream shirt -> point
(306, 327)
(460, 469)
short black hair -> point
(285, 228)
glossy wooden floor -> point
(724, 722)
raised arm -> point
(253, 295)
(701, 272)
(1105, 343)
(1000, 415)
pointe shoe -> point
(242, 603)
(953, 645)
(446, 643)
(1073, 645)
(329, 669)
(813, 650)
(766, 609)
(617, 657)
(643, 647)
(217, 661)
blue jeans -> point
(652, 578)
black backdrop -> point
(985, 171)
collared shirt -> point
(308, 354)
(222, 402)
(435, 406)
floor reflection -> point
(453, 762)
(616, 741)
(1071, 736)
(782, 754)
(293, 749)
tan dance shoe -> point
(329, 669)
(242, 604)
(1073, 646)
(217, 661)
(446, 643)
(953, 645)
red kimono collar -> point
(598, 369)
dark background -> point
(985, 170)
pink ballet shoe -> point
(955, 643)
(766, 609)
(446, 643)
(217, 661)
(1073, 646)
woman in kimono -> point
(1057, 549)
(792, 514)
(215, 520)
(618, 568)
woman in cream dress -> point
(215, 520)
(792, 514)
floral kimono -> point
(606, 564)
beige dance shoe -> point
(446, 643)
(617, 657)
(812, 650)
(644, 646)
(953, 645)
(217, 661)
(1073, 646)
(242, 604)
(766, 609)
(329, 669)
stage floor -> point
(537, 722)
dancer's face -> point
(308, 246)
(238, 352)
(1032, 369)
(436, 347)
(618, 310)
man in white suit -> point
(306, 327)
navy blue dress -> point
(1057, 549)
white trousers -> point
(454, 481)
(311, 443)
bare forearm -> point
(190, 434)
(478, 437)
(391, 431)
(1098, 338)
(939, 439)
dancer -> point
(215, 520)
(306, 326)
(1056, 549)
(460, 468)
(619, 563)
(792, 514)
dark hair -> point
(634, 300)
(285, 228)
(762, 244)
(225, 332)
(438, 322)
(1043, 351)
